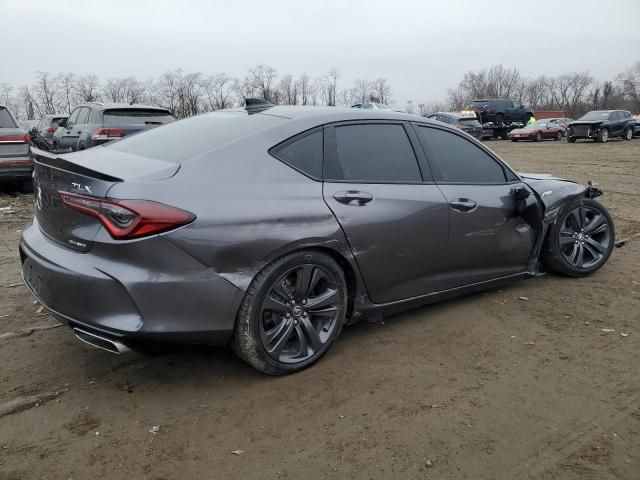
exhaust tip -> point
(98, 341)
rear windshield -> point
(180, 141)
(56, 121)
(130, 116)
(5, 119)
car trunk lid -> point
(90, 173)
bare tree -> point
(219, 91)
(288, 88)
(67, 91)
(380, 91)
(262, 80)
(46, 92)
(361, 89)
(629, 81)
(87, 89)
(306, 88)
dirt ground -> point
(489, 386)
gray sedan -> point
(270, 228)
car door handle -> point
(463, 205)
(353, 198)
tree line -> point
(186, 94)
(575, 93)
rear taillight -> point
(51, 130)
(107, 133)
(126, 219)
(21, 137)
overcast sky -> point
(423, 47)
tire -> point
(514, 139)
(499, 119)
(26, 186)
(580, 241)
(627, 134)
(277, 337)
(603, 135)
(538, 137)
(558, 137)
(571, 139)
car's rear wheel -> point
(628, 134)
(571, 139)
(603, 135)
(292, 312)
(581, 239)
(538, 137)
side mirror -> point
(62, 122)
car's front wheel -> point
(558, 136)
(628, 134)
(571, 139)
(603, 135)
(292, 312)
(581, 239)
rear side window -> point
(182, 140)
(304, 154)
(379, 153)
(458, 160)
(5, 119)
(130, 116)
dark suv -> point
(501, 111)
(94, 123)
(601, 125)
(462, 121)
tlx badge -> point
(81, 187)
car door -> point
(65, 136)
(80, 127)
(396, 220)
(488, 238)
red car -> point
(537, 131)
(16, 165)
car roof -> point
(114, 105)
(327, 114)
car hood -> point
(524, 130)
(552, 190)
(588, 122)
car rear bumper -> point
(15, 173)
(134, 292)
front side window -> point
(83, 117)
(73, 117)
(304, 154)
(458, 160)
(374, 153)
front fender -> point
(552, 193)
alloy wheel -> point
(585, 237)
(299, 314)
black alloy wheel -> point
(299, 314)
(584, 237)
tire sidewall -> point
(248, 318)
